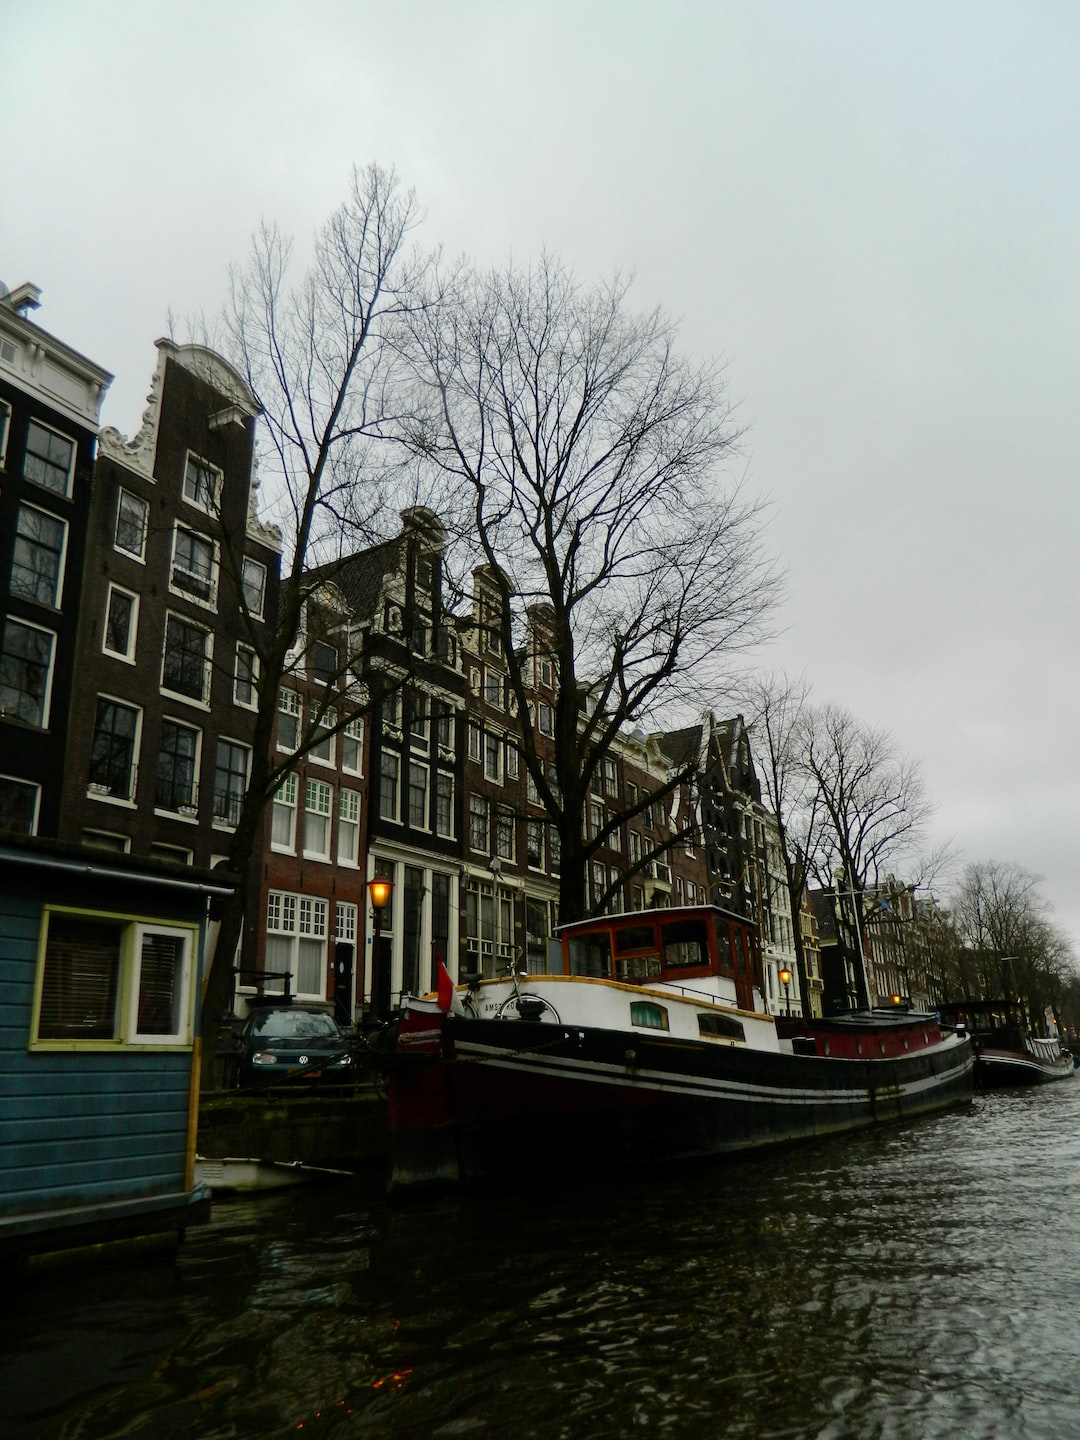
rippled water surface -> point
(916, 1282)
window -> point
(546, 673)
(489, 926)
(537, 930)
(5, 429)
(493, 688)
(19, 802)
(391, 712)
(352, 747)
(110, 980)
(324, 662)
(132, 523)
(186, 667)
(554, 850)
(253, 586)
(113, 749)
(504, 833)
(296, 941)
(345, 917)
(194, 566)
(475, 741)
(202, 483)
(26, 658)
(283, 816)
(389, 783)
(534, 843)
(348, 841)
(178, 767)
(246, 678)
(596, 819)
(105, 840)
(444, 727)
(546, 719)
(37, 564)
(230, 781)
(648, 1015)
(418, 720)
(318, 799)
(724, 1026)
(478, 823)
(418, 795)
(444, 803)
(121, 623)
(532, 794)
(493, 758)
(174, 853)
(512, 761)
(608, 775)
(50, 458)
(323, 748)
(288, 728)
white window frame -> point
(290, 704)
(23, 784)
(545, 713)
(126, 1034)
(61, 556)
(251, 680)
(5, 430)
(394, 756)
(247, 566)
(493, 688)
(298, 918)
(193, 592)
(69, 473)
(346, 918)
(423, 769)
(144, 506)
(204, 467)
(128, 656)
(284, 802)
(191, 808)
(223, 822)
(352, 735)
(493, 758)
(42, 723)
(348, 836)
(444, 780)
(318, 802)
(323, 751)
(203, 701)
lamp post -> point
(785, 980)
(379, 889)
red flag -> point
(447, 995)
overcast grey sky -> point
(871, 211)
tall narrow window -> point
(246, 678)
(323, 739)
(37, 564)
(202, 483)
(178, 760)
(113, 749)
(352, 747)
(230, 780)
(283, 818)
(121, 617)
(504, 833)
(253, 586)
(19, 801)
(444, 804)
(132, 522)
(194, 568)
(26, 658)
(186, 667)
(389, 784)
(478, 823)
(348, 846)
(288, 728)
(318, 798)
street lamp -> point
(785, 980)
(379, 889)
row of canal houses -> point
(138, 586)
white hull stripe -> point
(663, 1082)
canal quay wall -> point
(342, 1131)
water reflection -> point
(915, 1282)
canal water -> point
(919, 1281)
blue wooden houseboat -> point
(100, 970)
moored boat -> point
(652, 1045)
(235, 1175)
(1007, 1053)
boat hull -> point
(997, 1068)
(475, 1099)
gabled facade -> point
(178, 598)
(50, 407)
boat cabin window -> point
(637, 967)
(685, 944)
(591, 955)
(652, 1017)
(634, 937)
(724, 1026)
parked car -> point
(290, 1041)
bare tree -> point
(871, 804)
(321, 360)
(585, 454)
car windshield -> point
(294, 1025)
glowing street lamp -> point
(785, 980)
(379, 890)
